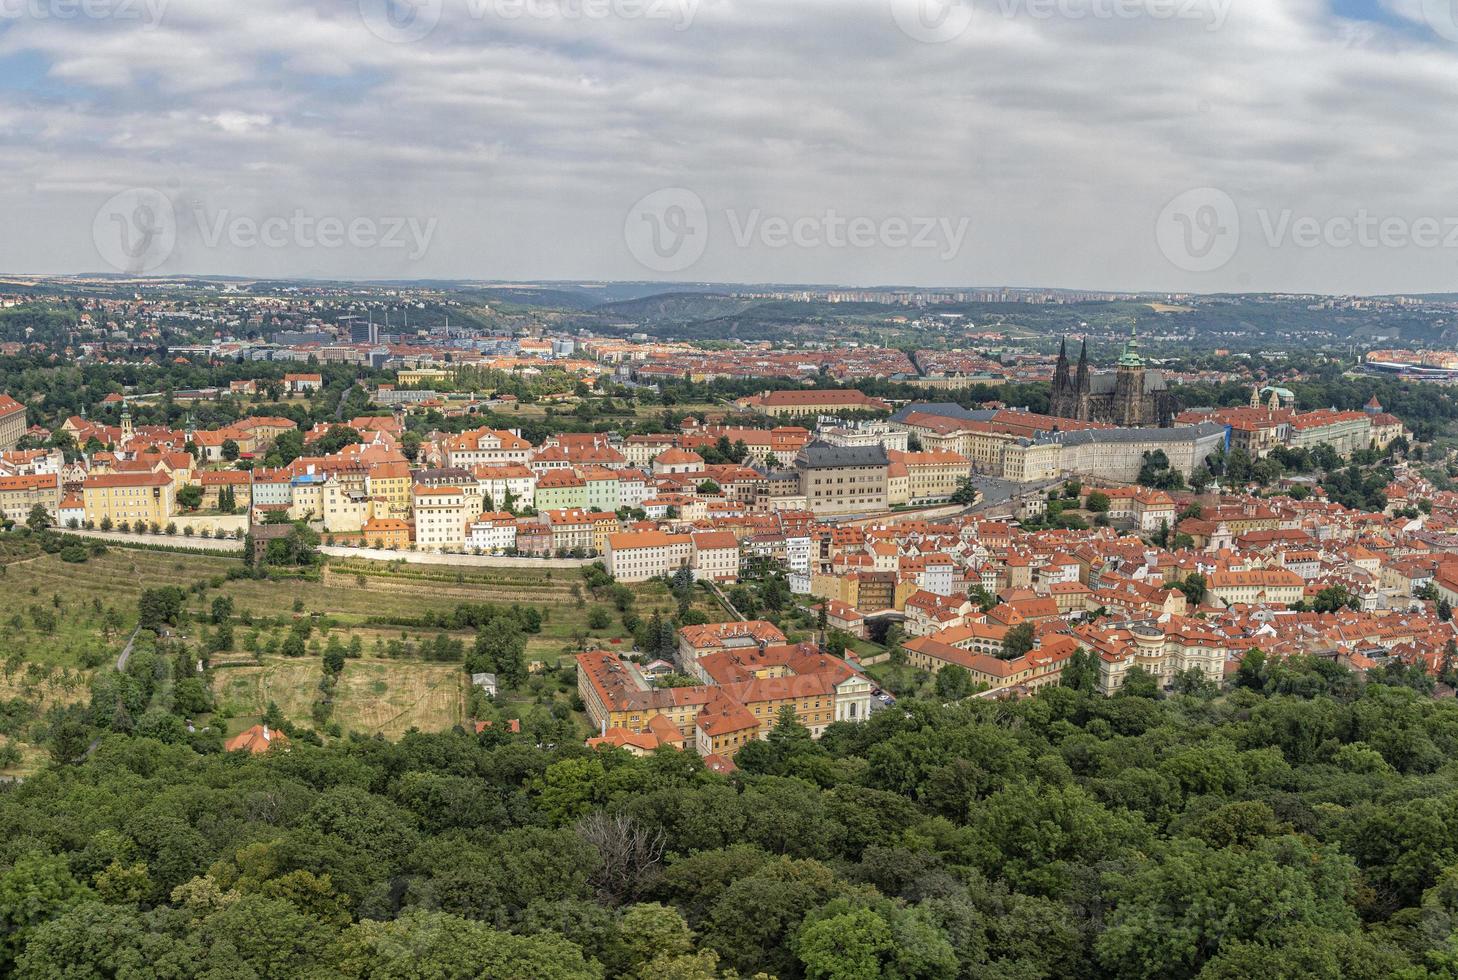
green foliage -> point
(1300, 824)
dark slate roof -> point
(947, 410)
(823, 455)
(1185, 433)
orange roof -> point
(108, 480)
(259, 738)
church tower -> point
(1129, 386)
(1060, 403)
(1085, 385)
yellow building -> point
(12, 423)
(390, 483)
(20, 494)
(129, 497)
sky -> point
(1151, 145)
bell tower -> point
(1129, 385)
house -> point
(259, 738)
(486, 682)
(303, 384)
(716, 556)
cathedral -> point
(1130, 396)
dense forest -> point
(1300, 825)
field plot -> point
(373, 696)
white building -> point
(440, 518)
(493, 532)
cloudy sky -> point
(1200, 145)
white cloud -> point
(1060, 138)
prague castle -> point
(1130, 396)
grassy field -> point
(65, 621)
(387, 697)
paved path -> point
(121, 661)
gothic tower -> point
(1129, 386)
(1060, 402)
(1085, 385)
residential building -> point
(129, 497)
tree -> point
(953, 682)
(1335, 597)
(849, 946)
(436, 944)
(36, 888)
(1139, 683)
(1018, 642)
(1081, 672)
(230, 450)
(189, 496)
(966, 493)
(38, 519)
(1098, 502)
(1195, 588)
(160, 606)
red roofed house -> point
(259, 738)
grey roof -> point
(443, 475)
(1184, 433)
(823, 455)
(947, 410)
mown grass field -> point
(386, 697)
